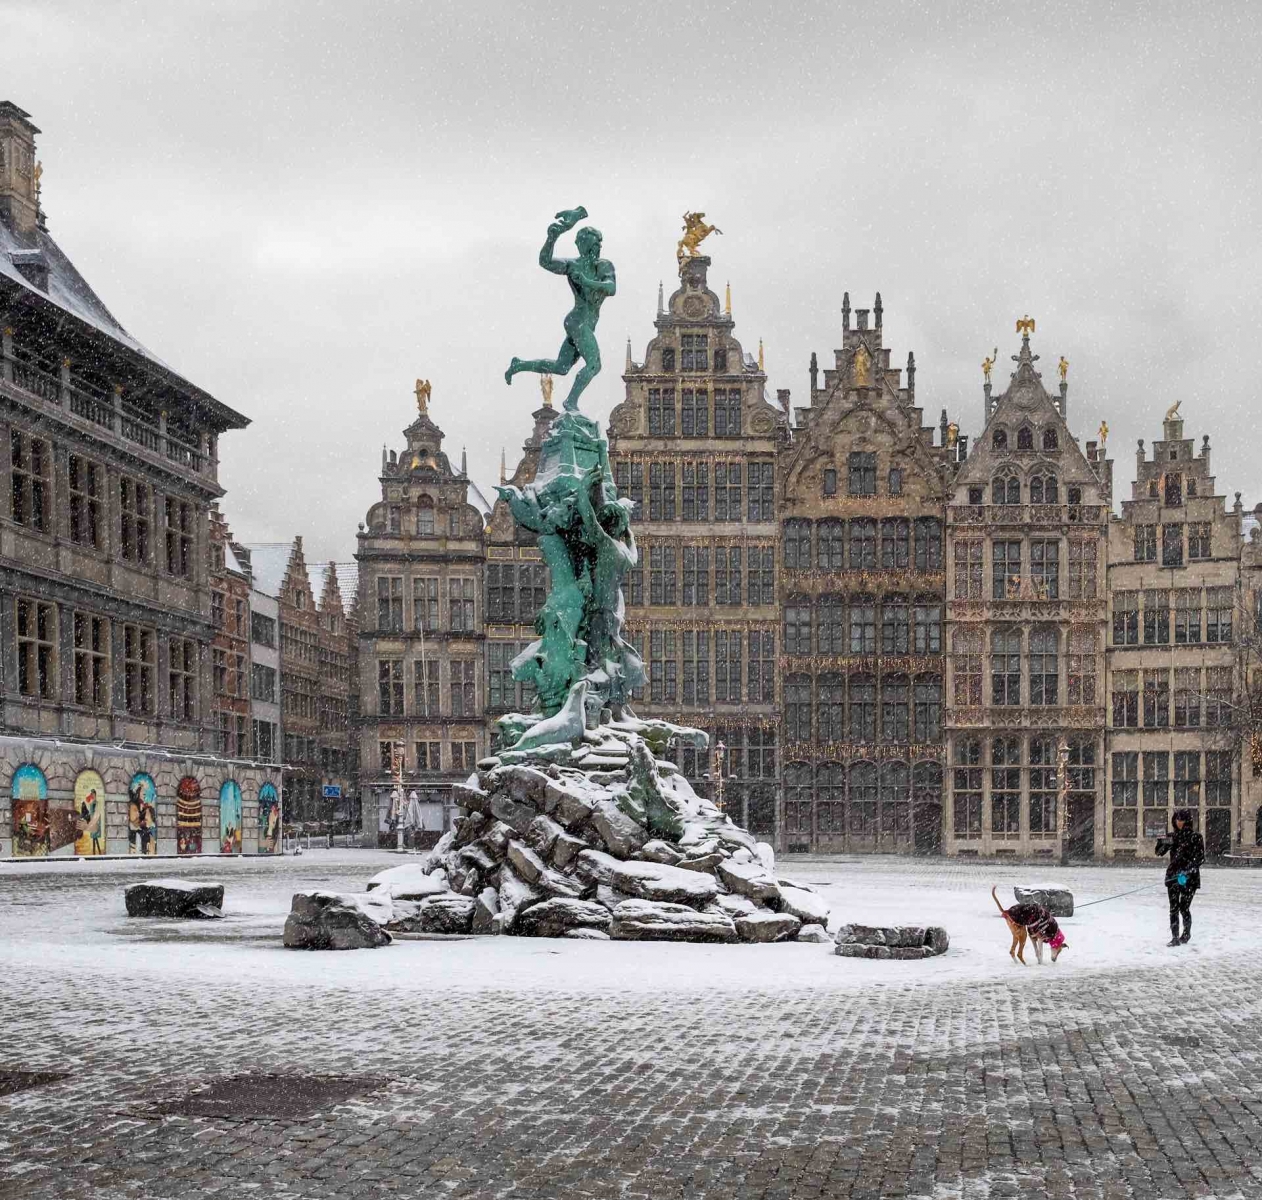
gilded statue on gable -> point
(695, 232)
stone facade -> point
(695, 444)
(1249, 679)
(107, 480)
(422, 664)
(1026, 556)
(862, 504)
(231, 663)
(1174, 567)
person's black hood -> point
(1184, 815)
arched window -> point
(797, 625)
(830, 712)
(832, 625)
(1025, 438)
(830, 796)
(863, 799)
(928, 544)
(1005, 667)
(797, 706)
(1044, 489)
(999, 439)
(862, 543)
(832, 544)
(1050, 440)
(1005, 489)
(862, 708)
(1044, 666)
(425, 517)
(895, 708)
(895, 815)
(797, 799)
(895, 542)
(927, 626)
(895, 625)
(797, 545)
(863, 625)
(927, 709)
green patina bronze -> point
(579, 665)
(591, 279)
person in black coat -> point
(1186, 848)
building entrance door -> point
(1081, 832)
(1217, 832)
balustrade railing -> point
(1025, 514)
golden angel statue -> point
(953, 434)
(1063, 368)
(422, 396)
(862, 367)
(1025, 325)
(1103, 433)
(695, 232)
(988, 364)
(545, 386)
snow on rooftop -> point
(478, 500)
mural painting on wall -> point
(32, 827)
(89, 809)
(142, 815)
(188, 816)
(269, 819)
(230, 817)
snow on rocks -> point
(174, 898)
(902, 941)
(594, 837)
(335, 921)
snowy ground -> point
(517, 1067)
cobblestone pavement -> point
(1132, 1082)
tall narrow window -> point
(797, 626)
(1005, 570)
(425, 603)
(760, 486)
(830, 481)
(862, 543)
(1080, 666)
(1005, 786)
(460, 593)
(179, 531)
(85, 485)
(1045, 569)
(1126, 618)
(761, 582)
(895, 708)
(135, 506)
(138, 670)
(1172, 545)
(1218, 778)
(1156, 617)
(1187, 779)
(1005, 667)
(29, 460)
(831, 544)
(967, 787)
(968, 570)
(966, 666)
(1219, 602)
(695, 412)
(862, 708)
(1145, 543)
(1044, 667)
(390, 603)
(1187, 616)
(895, 542)
(830, 713)
(463, 688)
(1125, 699)
(832, 633)
(927, 695)
(662, 491)
(1156, 698)
(1187, 697)
(662, 579)
(727, 412)
(425, 518)
(661, 412)
(862, 625)
(696, 586)
(928, 544)
(727, 575)
(762, 667)
(425, 701)
(663, 666)
(861, 470)
(797, 545)
(895, 625)
(694, 353)
(1199, 539)
(1044, 489)
(1005, 489)
(91, 661)
(696, 666)
(696, 481)
(727, 666)
(1082, 570)
(727, 491)
(927, 617)
(37, 659)
(182, 679)
(797, 707)
(1044, 785)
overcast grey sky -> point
(304, 206)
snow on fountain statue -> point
(576, 827)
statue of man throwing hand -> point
(591, 279)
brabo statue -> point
(579, 664)
(591, 280)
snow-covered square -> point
(496, 1066)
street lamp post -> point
(1062, 799)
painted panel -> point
(89, 809)
(188, 816)
(32, 827)
(269, 819)
(142, 815)
(230, 817)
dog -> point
(1032, 922)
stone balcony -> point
(1043, 515)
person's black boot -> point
(1174, 941)
(1187, 929)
